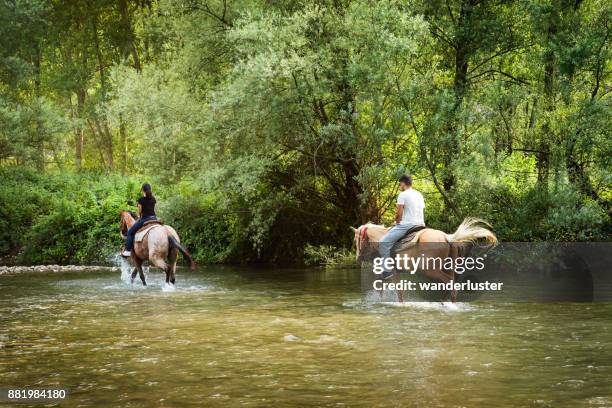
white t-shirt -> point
(414, 204)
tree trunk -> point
(105, 142)
(352, 192)
(543, 148)
(103, 129)
(124, 145)
(578, 176)
(460, 83)
(39, 137)
(109, 145)
(79, 134)
(98, 143)
(101, 71)
(129, 34)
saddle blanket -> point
(406, 241)
(142, 233)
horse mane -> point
(133, 214)
(371, 224)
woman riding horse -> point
(160, 245)
(146, 212)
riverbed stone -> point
(11, 270)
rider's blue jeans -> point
(396, 233)
(129, 245)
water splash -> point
(290, 337)
(153, 280)
(389, 298)
(124, 265)
(168, 287)
(376, 296)
(441, 306)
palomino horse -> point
(427, 243)
(159, 244)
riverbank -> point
(13, 270)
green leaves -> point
(277, 124)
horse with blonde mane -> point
(160, 243)
(429, 242)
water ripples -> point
(234, 336)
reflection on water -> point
(262, 337)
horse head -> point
(361, 243)
(127, 220)
(366, 240)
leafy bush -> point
(210, 233)
(61, 217)
(20, 205)
(74, 218)
(328, 255)
(531, 214)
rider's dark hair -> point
(406, 179)
(146, 188)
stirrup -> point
(386, 275)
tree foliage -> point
(289, 121)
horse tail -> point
(471, 231)
(174, 243)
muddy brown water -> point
(292, 337)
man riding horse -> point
(424, 242)
(408, 214)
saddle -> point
(406, 241)
(151, 222)
(146, 228)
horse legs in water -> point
(161, 264)
(172, 258)
(439, 275)
(168, 267)
(138, 269)
(444, 277)
(142, 276)
(400, 293)
(170, 276)
(453, 294)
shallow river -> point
(292, 337)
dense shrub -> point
(211, 233)
(61, 217)
(74, 218)
(328, 255)
(21, 203)
(530, 214)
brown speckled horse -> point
(159, 244)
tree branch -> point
(497, 71)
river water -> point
(292, 337)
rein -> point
(363, 237)
(127, 219)
(364, 234)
